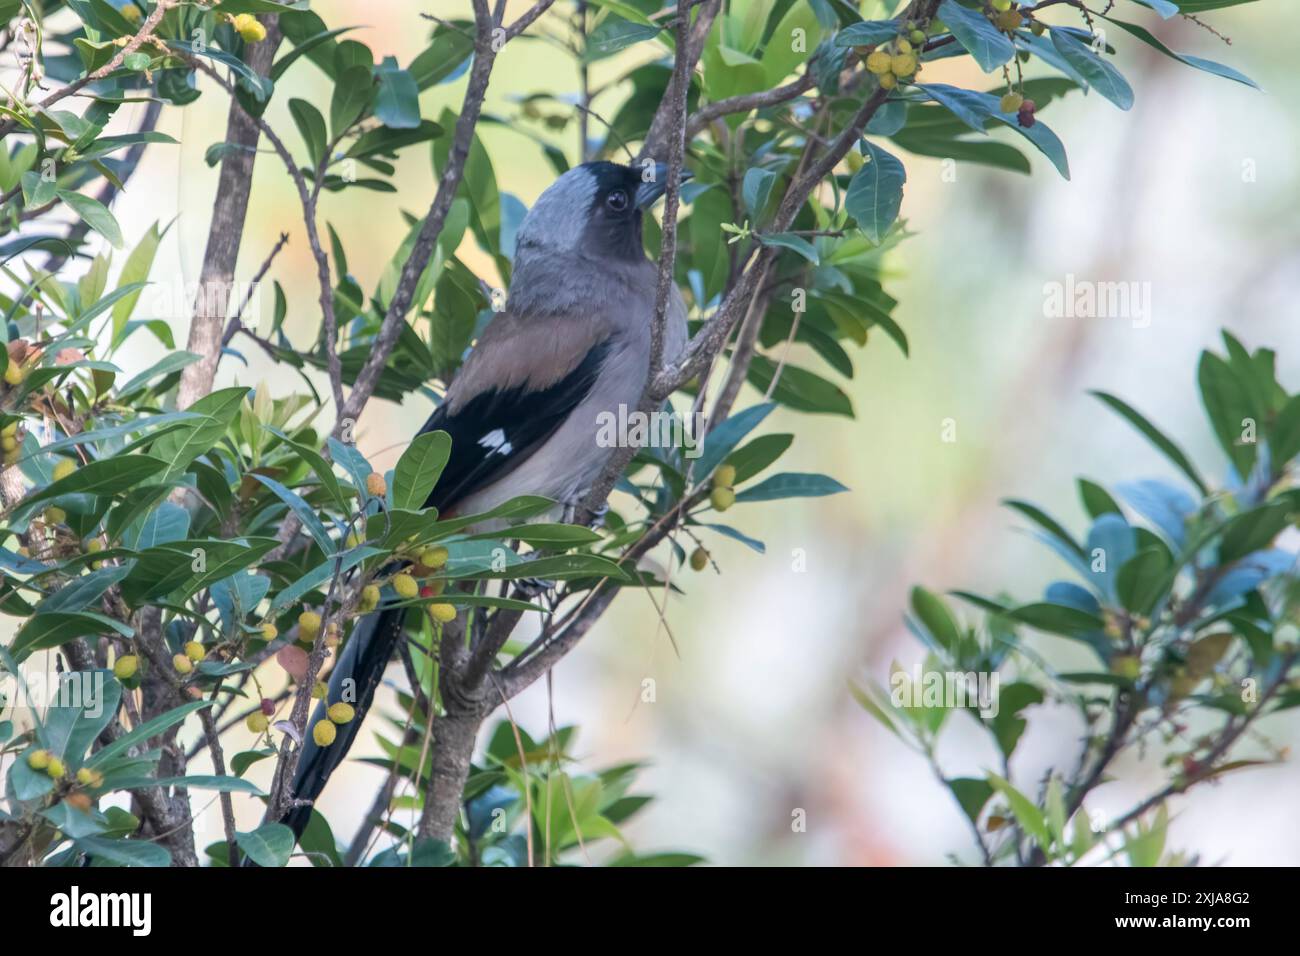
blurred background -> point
(1195, 191)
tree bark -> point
(224, 235)
(454, 735)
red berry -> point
(268, 706)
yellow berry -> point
(878, 62)
(89, 778)
(124, 667)
(39, 759)
(1001, 5)
(323, 733)
(248, 27)
(10, 430)
(724, 477)
(65, 467)
(341, 713)
(1010, 102)
(699, 559)
(182, 663)
(405, 586)
(722, 498)
(332, 636)
(888, 81)
(918, 37)
(434, 558)
(1037, 29)
(903, 46)
(269, 631)
(442, 613)
(195, 652)
(55, 769)
(14, 374)
(369, 599)
(55, 516)
(353, 539)
(257, 722)
(308, 625)
(903, 64)
(1008, 21)
(8, 443)
(94, 545)
(376, 485)
(320, 690)
(131, 13)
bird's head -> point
(593, 211)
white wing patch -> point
(495, 442)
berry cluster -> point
(897, 61)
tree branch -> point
(146, 31)
(229, 210)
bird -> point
(573, 343)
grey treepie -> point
(571, 346)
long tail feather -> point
(355, 679)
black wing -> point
(498, 429)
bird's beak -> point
(649, 192)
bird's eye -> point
(617, 200)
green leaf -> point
(1102, 76)
(1229, 406)
(876, 192)
(758, 455)
(791, 485)
(353, 90)
(788, 240)
(303, 47)
(1047, 523)
(1097, 501)
(1008, 725)
(1143, 579)
(182, 446)
(1027, 815)
(419, 468)
(1196, 62)
(1156, 437)
(305, 512)
(986, 44)
(94, 214)
(720, 441)
(545, 535)
(270, 845)
(311, 127)
(108, 476)
(933, 613)
(125, 852)
(136, 269)
(59, 627)
(800, 389)
(1057, 618)
(1253, 530)
(398, 103)
(1284, 438)
(141, 733)
(971, 794)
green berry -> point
(124, 667)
